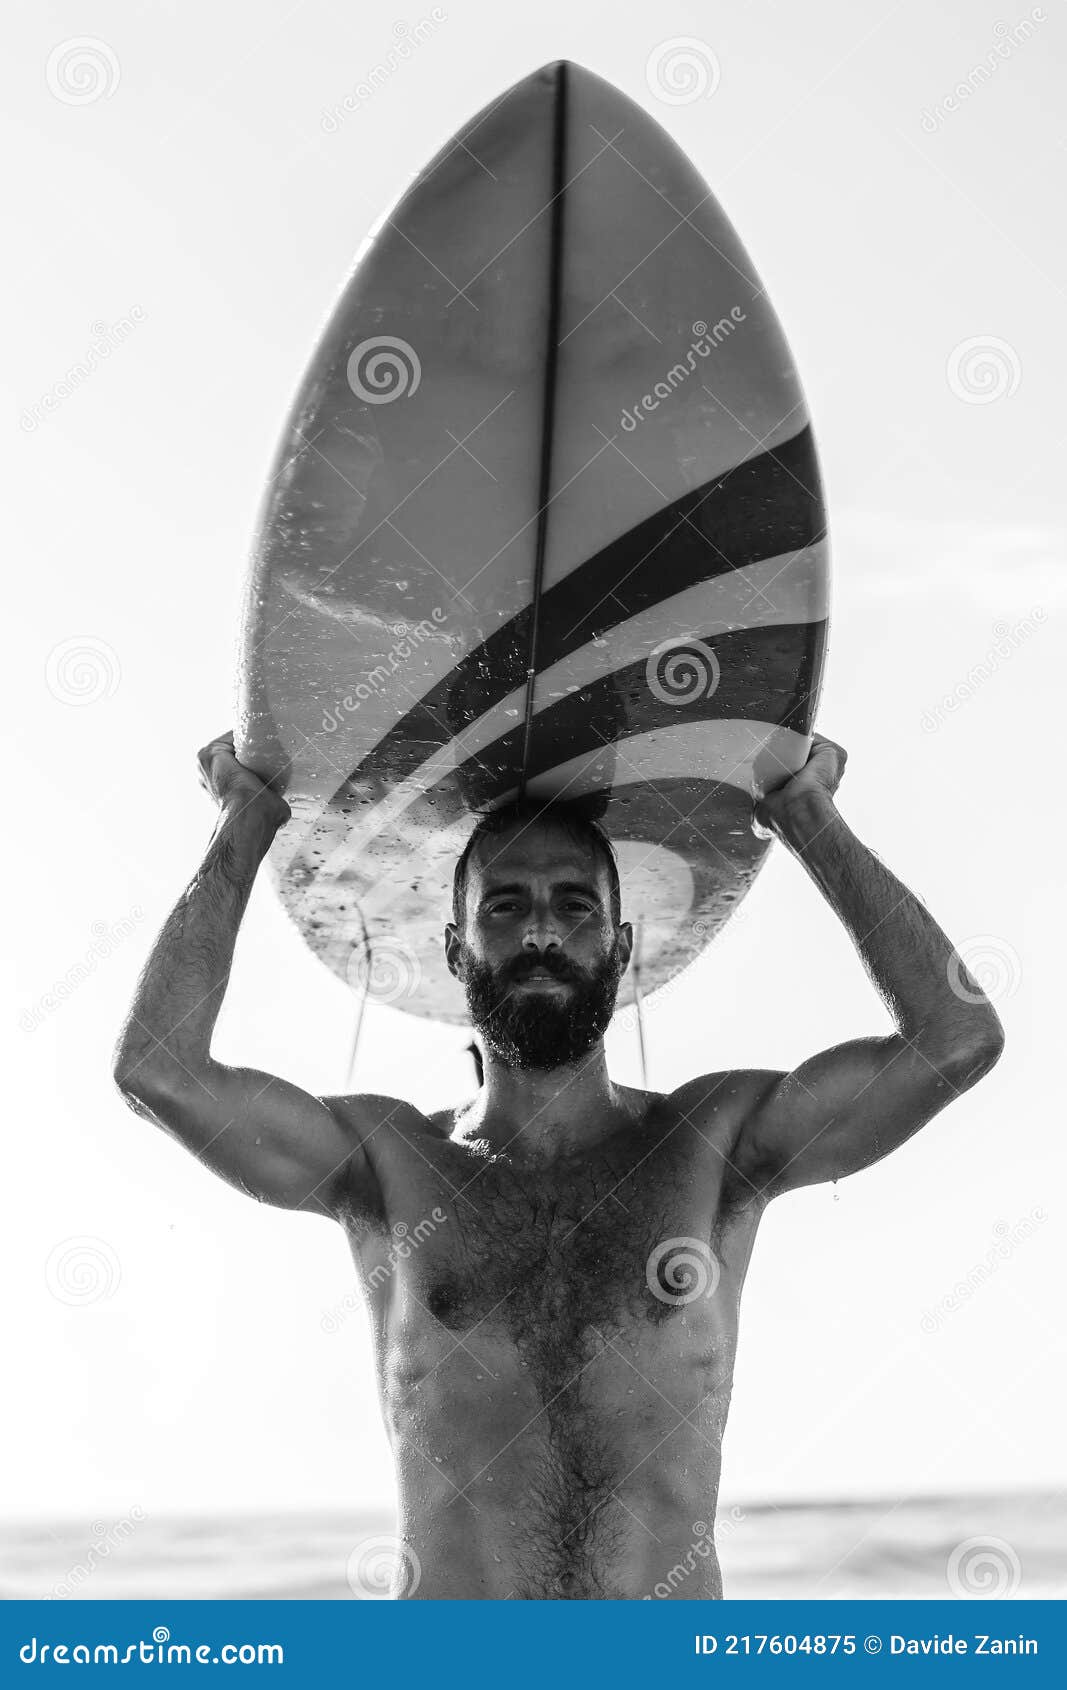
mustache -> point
(559, 971)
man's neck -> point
(539, 1111)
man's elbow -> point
(135, 1086)
(146, 1085)
(973, 1056)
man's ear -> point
(625, 940)
(453, 944)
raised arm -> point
(267, 1137)
(851, 1105)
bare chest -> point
(635, 1232)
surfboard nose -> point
(555, 71)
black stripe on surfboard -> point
(754, 511)
(768, 674)
(548, 402)
(765, 674)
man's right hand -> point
(237, 788)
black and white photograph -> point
(538, 949)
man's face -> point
(540, 958)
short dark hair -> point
(521, 811)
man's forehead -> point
(546, 850)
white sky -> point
(204, 200)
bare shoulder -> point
(364, 1114)
(721, 1103)
(373, 1126)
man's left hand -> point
(817, 781)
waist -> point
(613, 1555)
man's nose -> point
(541, 934)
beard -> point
(541, 1029)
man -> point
(555, 1344)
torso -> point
(555, 1347)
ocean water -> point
(954, 1546)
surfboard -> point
(546, 516)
